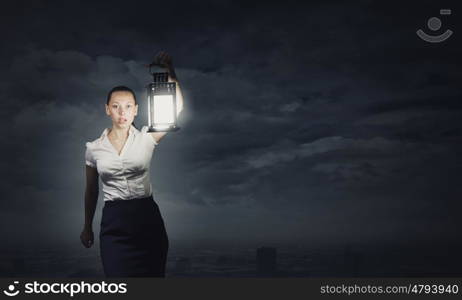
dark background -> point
(322, 129)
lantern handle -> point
(150, 67)
(157, 76)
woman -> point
(133, 239)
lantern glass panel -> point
(162, 106)
(163, 110)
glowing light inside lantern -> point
(163, 112)
(162, 105)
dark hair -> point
(121, 88)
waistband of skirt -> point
(132, 200)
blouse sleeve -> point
(89, 159)
(149, 136)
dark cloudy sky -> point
(307, 122)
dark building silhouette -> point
(266, 261)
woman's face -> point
(122, 109)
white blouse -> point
(124, 176)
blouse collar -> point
(130, 131)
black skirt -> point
(133, 239)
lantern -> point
(161, 96)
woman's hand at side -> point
(87, 237)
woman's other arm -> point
(91, 198)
